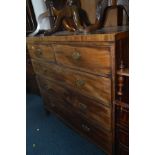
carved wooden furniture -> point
(122, 103)
(77, 79)
(68, 16)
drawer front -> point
(42, 52)
(94, 86)
(92, 59)
(99, 114)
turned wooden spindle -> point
(120, 82)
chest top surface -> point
(105, 34)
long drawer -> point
(100, 137)
(42, 52)
(94, 86)
(97, 113)
(95, 59)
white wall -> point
(40, 7)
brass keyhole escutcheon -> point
(83, 107)
(80, 83)
(76, 55)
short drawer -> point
(91, 59)
(41, 52)
(97, 113)
(93, 86)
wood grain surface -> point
(41, 52)
(95, 59)
(96, 86)
(110, 34)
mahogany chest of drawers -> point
(76, 77)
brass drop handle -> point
(76, 55)
(85, 128)
(80, 83)
(83, 106)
